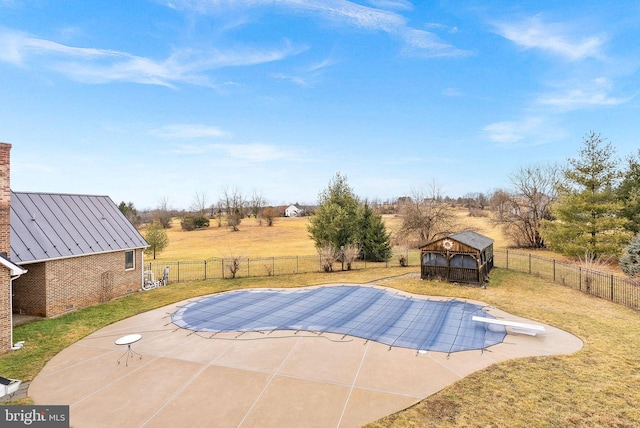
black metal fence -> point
(624, 291)
(217, 268)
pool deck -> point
(281, 379)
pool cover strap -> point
(366, 312)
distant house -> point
(293, 211)
(462, 257)
(63, 252)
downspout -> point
(15, 276)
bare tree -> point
(329, 254)
(475, 202)
(269, 214)
(522, 211)
(234, 204)
(425, 217)
(499, 201)
(350, 253)
(232, 264)
(256, 204)
(199, 204)
(163, 213)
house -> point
(462, 257)
(293, 211)
(70, 251)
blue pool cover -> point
(366, 312)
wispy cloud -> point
(558, 38)
(307, 76)
(376, 18)
(527, 131)
(392, 4)
(594, 93)
(253, 152)
(452, 92)
(94, 65)
(189, 131)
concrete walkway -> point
(280, 379)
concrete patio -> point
(281, 379)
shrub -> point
(194, 222)
(630, 262)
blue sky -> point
(150, 101)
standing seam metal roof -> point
(48, 226)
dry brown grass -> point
(287, 237)
(594, 387)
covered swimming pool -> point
(370, 313)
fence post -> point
(612, 288)
(222, 267)
(248, 268)
(297, 264)
(580, 278)
(205, 269)
(178, 271)
(554, 270)
(529, 263)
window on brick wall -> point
(129, 260)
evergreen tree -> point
(374, 240)
(156, 237)
(629, 193)
(630, 262)
(588, 211)
(336, 219)
(340, 222)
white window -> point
(130, 260)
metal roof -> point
(472, 239)
(47, 226)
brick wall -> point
(5, 247)
(59, 286)
(29, 293)
(5, 313)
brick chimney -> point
(5, 199)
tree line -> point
(587, 208)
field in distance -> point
(287, 237)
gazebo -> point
(462, 257)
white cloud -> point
(595, 92)
(559, 39)
(189, 131)
(103, 65)
(253, 152)
(349, 13)
(509, 133)
(392, 4)
(452, 92)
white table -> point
(128, 340)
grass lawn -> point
(596, 386)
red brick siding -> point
(58, 286)
(5, 247)
(29, 293)
(5, 314)
(5, 199)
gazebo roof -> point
(472, 239)
(469, 238)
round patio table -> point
(128, 340)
